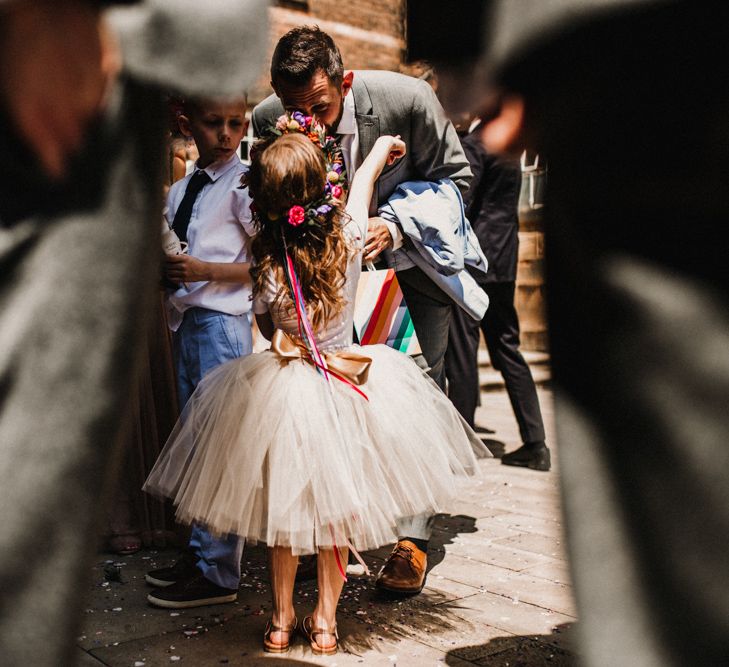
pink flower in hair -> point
(296, 215)
(337, 192)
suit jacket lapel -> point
(368, 124)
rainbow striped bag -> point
(381, 314)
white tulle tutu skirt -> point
(270, 451)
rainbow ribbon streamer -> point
(305, 331)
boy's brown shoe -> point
(404, 571)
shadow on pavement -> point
(445, 528)
(520, 651)
(496, 447)
(429, 617)
(368, 619)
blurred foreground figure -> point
(629, 102)
(81, 157)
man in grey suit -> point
(307, 74)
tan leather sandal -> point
(310, 632)
(272, 647)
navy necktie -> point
(184, 211)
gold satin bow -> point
(349, 365)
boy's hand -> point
(182, 269)
(185, 268)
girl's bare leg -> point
(282, 567)
(330, 588)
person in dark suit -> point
(492, 207)
(307, 74)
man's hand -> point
(57, 62)
(184, 268)
(378, 239)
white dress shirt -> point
(349, 142)
(347, 129)
(220, 230)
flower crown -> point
(335, 188)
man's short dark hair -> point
(301, 53)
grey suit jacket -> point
(391, 103)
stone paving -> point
(498, 590)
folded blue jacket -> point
(438, 239)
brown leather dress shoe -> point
(404, 571)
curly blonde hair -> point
(286, 171)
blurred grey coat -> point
(77, 289)
(637, 294)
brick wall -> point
(530, 293)
(369, 34)
(529, 298)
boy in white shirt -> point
(209, 313)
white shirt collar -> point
(348, 122)
(217, 169)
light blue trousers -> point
(206, 339)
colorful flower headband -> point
(335, 188)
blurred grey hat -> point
(513, 28)
(168, 43)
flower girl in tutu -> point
(316, 445)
